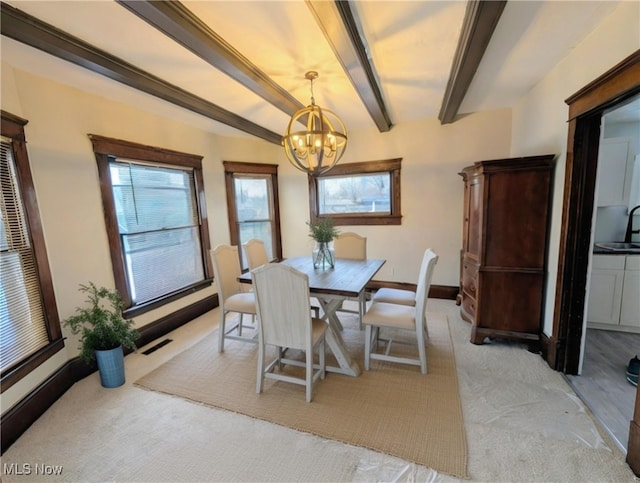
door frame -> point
(562, 348)
(586, 107)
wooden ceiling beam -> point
(340, 29)
(481, 18)
(31, 31)
(180, 24)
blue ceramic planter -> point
(111, 367)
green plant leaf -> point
(323, 231)
(100, 323)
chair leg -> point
(309, 374)
(280, 363)
(367, 347)
(221, 330)
(422, 352)
(240, 325)
(260, 375)
(323, 364)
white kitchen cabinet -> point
(605, 292)
(615, 171)
(630, 305)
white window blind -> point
(158, 223)
(254, 211)
(22, 324)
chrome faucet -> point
(630, 231)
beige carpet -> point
(392, 409)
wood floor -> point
(603, 386)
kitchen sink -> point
(620, 246)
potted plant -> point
(103, 332)
(323, 232)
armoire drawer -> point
(470, 278)
(470, 283)
(468, 308)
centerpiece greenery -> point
(323, 232)
(103, 329)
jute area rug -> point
(392, 408)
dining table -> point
(331, 287)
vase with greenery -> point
(103, 332)
(323, 232)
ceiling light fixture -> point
(318, 148)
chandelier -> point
(317, 148)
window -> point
(358, 194)
(252, 191)
(29, 325)
(156, 222)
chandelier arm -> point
(319, 148)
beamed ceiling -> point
(237, 67)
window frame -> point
(232, 168)
(12, 127)
(106, 149)
(390, 166)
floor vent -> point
(157, 346)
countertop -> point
(604, 251)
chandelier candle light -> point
(318, 148)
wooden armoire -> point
(504, 247)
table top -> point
(348, 278)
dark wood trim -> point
(445, 292)
(585, 111)
(177, 295)
(548, 347)
(31, 31)
(166, 324)
(24, 368)
(249, 168)
(338, 24)
(611, 86)
(391, 166)
(17, 419)
(113, 232)
(108, 149)
(143, 152)
(179, 23)
(577, 220)
(12, 127)
(480, 20)
(633, 446)
(233, 168)
(363, 167)
(203, 228)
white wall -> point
(432, 155)
(540, 119)
(66, 182)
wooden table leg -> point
(335, 341)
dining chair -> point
(256, 253)
(285, 321)
(399, 296)
(231, 296)
(257, 256)
(352, 246)
(405, 317)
